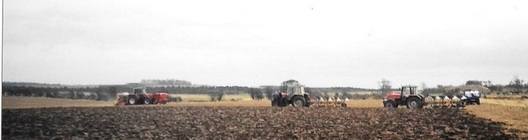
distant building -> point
(162, 83)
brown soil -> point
(168, 122)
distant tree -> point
(347, 95)
(47, 92)
(255, 94)
(268, 91)
(313, 91)
(113, 91)
(517, 84)
(307, 90)
(496, 88)
(385, 86)
(216, 96)
(474, 82)
(5, 91)
(423, 86)
(220, 96)
(55, 92)
(487, 83)
(165, 83)
(72, 94)
(100, 94)
(79, 94)
(26, 91)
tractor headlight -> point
(384, 99)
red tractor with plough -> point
(140, 96)
(409, 97)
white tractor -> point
(291, 92)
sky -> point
(320, 43)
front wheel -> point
(275, 100)
(147, 101)
(132, 100)
(298, 102)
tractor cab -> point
(407, 91)
(139, 91)
(295, 90)
(404, 92)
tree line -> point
(109, 92)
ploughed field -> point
(168, 122)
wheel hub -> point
(132, 101)
(413, 104)
(298, 103)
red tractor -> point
(406, 96)
(140, 96)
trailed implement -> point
(328, 102)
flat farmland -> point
(513, 113)
(43, 102)
(46, 118)
(191, 122)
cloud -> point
(235, 42)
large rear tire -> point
(414, 103)
(390, 104)
(298, 101)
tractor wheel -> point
(154, 101)
(275, 101)
(414, 103)
(146, 101)
(132, 100)
(307, 103)
(478, 102)
(390, 104)
(298, 101)
(283, 102)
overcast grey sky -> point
(251, 43)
